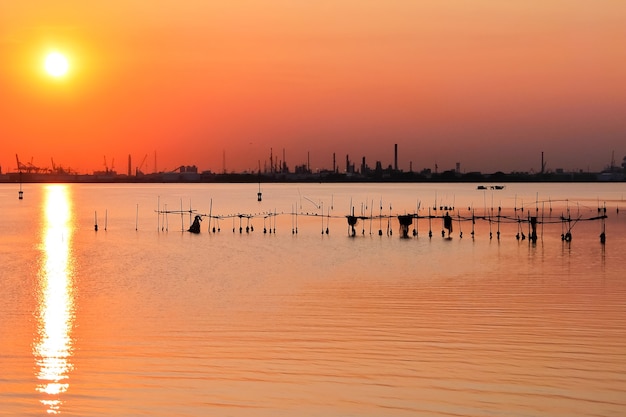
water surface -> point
(145, 319)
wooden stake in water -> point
(166, 220)
(417, 216)
(363, 208)
(499, 212)
(190, 211)
(371, 215)
(550, 201)
(95, 226)
(603, 233)
(296, 218)
(389, 231)
(489, 218)
(380, 218)
(137, 218)
(328, 220)
(210, 213)
(543, 205)
(106, 219)
(430, 224)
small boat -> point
(491, 187)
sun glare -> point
(56, 64)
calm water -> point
(143, 319)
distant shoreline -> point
(324, 177)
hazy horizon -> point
(149, 163)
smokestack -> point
(334, 164)
(395, 157)
(129, 165)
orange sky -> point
(490, 84)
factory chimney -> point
(395, 157)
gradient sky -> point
(487, 83)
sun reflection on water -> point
(53, 345)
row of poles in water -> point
(406, 221)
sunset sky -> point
(487, 83)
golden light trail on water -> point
(53, 346)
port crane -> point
(28, 167)
(59, 169)
(138, 169)
(106, 166)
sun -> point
(56, 64)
